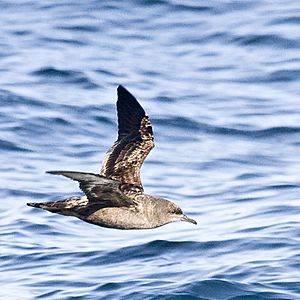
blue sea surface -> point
(221, 83)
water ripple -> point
(68, 76)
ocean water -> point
(221, 83)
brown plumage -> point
(115, 198)
(135, 140)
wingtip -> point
(122, 90)
(52, 172)
(128, 101)
(120, 87)
(58, 172)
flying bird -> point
(115, 198)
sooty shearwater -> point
(115, 198)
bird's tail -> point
(63, 207)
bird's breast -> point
(120, 218)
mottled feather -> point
(135, 140)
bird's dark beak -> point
(186, 219)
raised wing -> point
(135, 140)
(98, 189)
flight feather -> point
(135, 140)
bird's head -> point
(176, 214)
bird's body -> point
(115, 198)
(145, 216)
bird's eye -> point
(176, 211)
